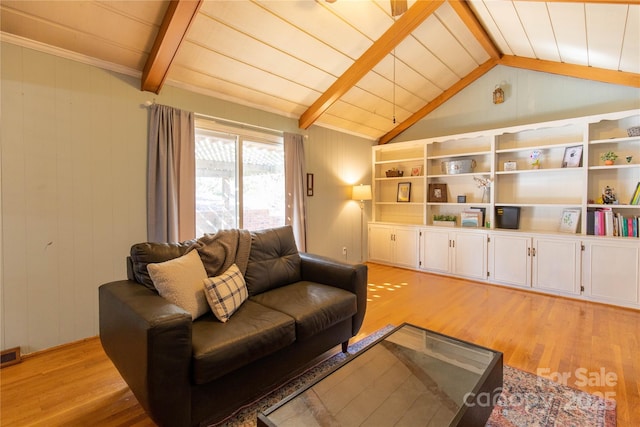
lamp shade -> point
(361, 192)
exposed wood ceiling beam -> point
(571, 70)
(439, 100)
(175, 25)
(471, 21)
(400, 29)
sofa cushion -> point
(253, 332)
(144, 253)
(273, 260)
(226, 293)
(180, 281)
(314, 306)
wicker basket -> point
(634, 131)
(394, 173)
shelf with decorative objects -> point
(504, 205)
(542, 169)
(398, 184)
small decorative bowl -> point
(634, 131)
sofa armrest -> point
(148, 339)
(347, 276)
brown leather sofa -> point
(188, 372)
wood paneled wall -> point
(73, 190)
(73, 182)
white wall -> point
(73, 180)
(331, 156)
(530, 97)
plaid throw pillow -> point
(226, 292)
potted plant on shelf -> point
(444, 220)
(609, 157)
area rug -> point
(526, 399)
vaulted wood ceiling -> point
(347, 64)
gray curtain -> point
(171, 175)
(294, 170)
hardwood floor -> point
(76, 385)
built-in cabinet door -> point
(556, 265)
(380, 244)
(510, 259)
(460, 253)
(394, 245)
(612, 271)
(470, 255)
(435, 250)
(405, 242)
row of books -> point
(605, 222)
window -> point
(239, 179)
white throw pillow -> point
(226, 292)
(180, 281)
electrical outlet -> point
(344, 250)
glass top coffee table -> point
(409, 377)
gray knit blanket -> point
(220, 250)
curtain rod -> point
(239, 124)
(231, 122)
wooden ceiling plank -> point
(630, 55)
(536, 21)
(439, 100)
(567, 20)
(380, 48)
(473, 24)
(180, 14)
(630, 2)
(605, 34)
(571, 70)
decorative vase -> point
(485, 194)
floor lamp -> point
(361, 192)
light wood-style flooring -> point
(587, 344)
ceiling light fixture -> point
(394, 85)
(398, 7)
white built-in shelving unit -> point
(536, 255)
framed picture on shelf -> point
(416, 171)
(404, 192)
(572, 157)
(569, 220)
(438, 193)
